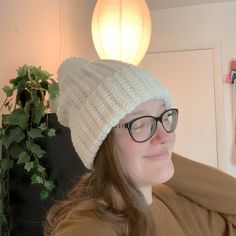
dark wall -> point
(63, 167)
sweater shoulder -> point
(82, 225)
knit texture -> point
(95, 96)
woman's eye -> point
(138, 125)
(166, 119)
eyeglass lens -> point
(143, 128)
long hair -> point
(107, 192)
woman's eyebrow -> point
(136, 113)
(139, 113)
(132, 116)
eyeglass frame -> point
(128, 125)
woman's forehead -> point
(147, 108)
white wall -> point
(76, 36)
(42, 32)
(29, 35)
(208, 22)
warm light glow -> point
(121, 29)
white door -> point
(189, 77)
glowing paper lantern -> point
(121, 29)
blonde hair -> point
(106, 192)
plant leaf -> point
(22, 121)
(15, 81)
(51, 132)
(17, 117)
(4, 164)
(39, 113)
(26, 110)
(36, 149)
(41, 169)
(40, 74)
(36, 179)
(5, 141)
(28, 145)
(43, 126)
(15, 150)
(16, 135)
(35, 133)
(53, 96)
(53, 90)
(8, 91)
(28, 166)
(23, 158)
(10, 119)
(22, 71)
(22, 84)
(49, 185)
(44, 194)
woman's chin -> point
(165, 174)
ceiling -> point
(163, 4)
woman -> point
(122, 126)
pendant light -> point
(121, 29)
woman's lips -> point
(158, 156)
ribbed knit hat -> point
(95, 96)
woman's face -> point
(148, 163)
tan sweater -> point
(198, 201)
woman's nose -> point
(160, 134)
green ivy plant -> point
(28, 100)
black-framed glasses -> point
(143, 128)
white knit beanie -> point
(95, 96)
